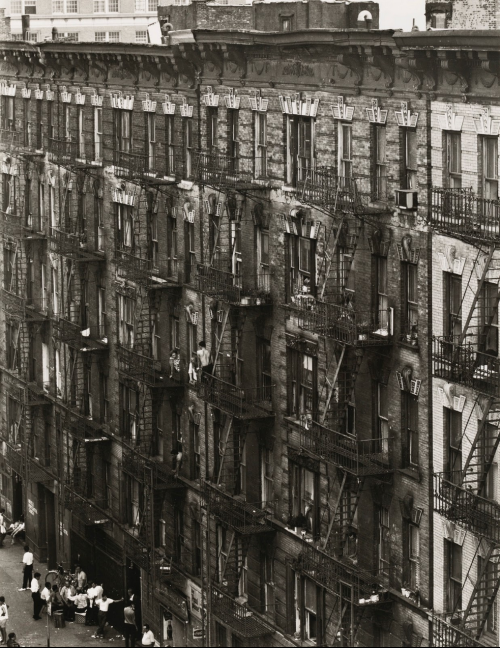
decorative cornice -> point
(168, 106)
(210, 99)
(295, 105)
(341, 111)
(232, 100)
(485, 125)
(450, 121)
(148, 105)
(405, 117)
(375, 114)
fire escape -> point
(235, 296)
(468, 356)
(329, 310)
(26, 315)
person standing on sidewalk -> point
(4, 617)
(28, 569)
(3, 528)
(35, 595)
(102, 616)
(131, 628)
(148, 638)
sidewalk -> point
(34, 633)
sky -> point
(396, 14)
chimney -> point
(25, 26)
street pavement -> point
(34, 633)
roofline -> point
(455, 39)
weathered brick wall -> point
(265, 16)
(4, 26)
(468, 14)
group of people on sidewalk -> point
(71, 595)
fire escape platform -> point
(242, 403)
(239, 617)
(243, 517)
(464, 507)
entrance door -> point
(17, 497)
(50, 524)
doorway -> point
(17, 497)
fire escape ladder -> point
(483, 594)
(483, 448)
(346, 383)
(227, 432)
(332, 384)
(24, 336)
(220, 339)
(477, 293)
(335, 513)
(228, 557)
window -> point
(39, 124)
(141, 36)
(488, 299)
(236, 259)
(413, 556)
(196, 446)
(13, 345)
(452, 288)
(233, 143)
(72, 36)
(453, 162)
(8, 112)
(64, 6)
(15, 421)
(129, 413)
(80, 134)
(223, 549)
(190, 250)
(345, 150)
(8, 193)
(134, 502)
(178, 532)
(23, 7)
(382, 294)
(267, 469)
(54, 220)
(384, 558)
(260, 140)
(103, 388)
(453, 558)
(409, 409)
(198, 548)
(187, 129)
(383, 417)
(101, 311)
(10, 269)
(107, 37)
(152, 218)
(489, 187)
(172, 240)
(155, 337)
(300, 265)
(192, 337)
(57, 360)
(41, 205)
(438, 20)
(300, 148)
(126, 308)
(286, 23)
(106, 6)
(410, 158)
(55, 291)
(302, 383)
(123, 133)
(263, 274)
(304, 499)
(453, 440)
(264, 379)
(50, 121)
(212, 127)
(125, 220)
(27, 122)
(99, 219)
(169, 145)
(267, 598)
(174, 332)
(67, 122)
(410, 274)
(380, 160)
(220, 635)
(97, 134)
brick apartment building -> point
(291, 201)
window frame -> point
(260, 144)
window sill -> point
(409, 345)
(412, 473)
(187, 185)
(288, 189)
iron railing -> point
(324, 189)
(343, 323)
(245, 518)
(149, 472)
(459, 212)
(240, 402)
(454, 501)
(463, 364)
(242, 290)
(358, 457)
(367, 587)
(238, 616)
(226, 173)
(91, 338)
(446, 634)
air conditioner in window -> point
(406, 198)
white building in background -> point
(85, 20)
